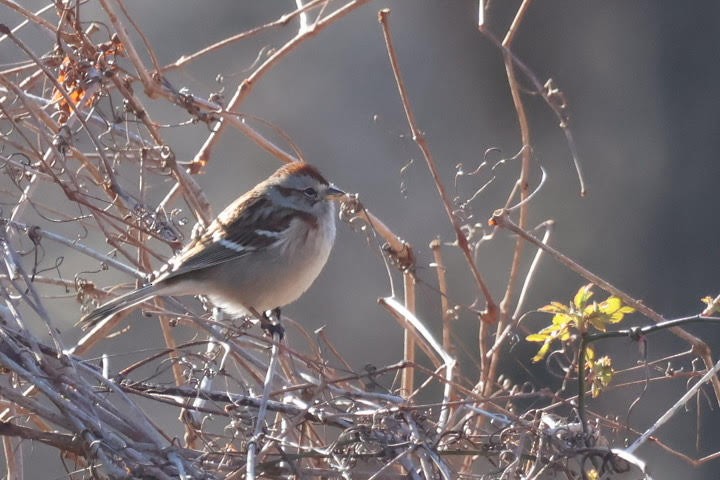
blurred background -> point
(641, 79)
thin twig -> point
(246, 86)
(401, 313)
(679, 404)
(39, 233)
(502, 220)
(252, 448)
(447, 316)
(490, 314)
(408, 374)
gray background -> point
(641, 79)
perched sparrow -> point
(262, 252)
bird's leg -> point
(272, 326)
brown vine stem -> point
(35, 18)
(490, 314)
(143, 37)
(436, 247)
(501, 219)
(408, 374)
(526, 156)
(194, 195)
(253, 447)
(226, 42)
(129, 46)
(246, 86)
(555, 106)
(401, 251)
(114, 185)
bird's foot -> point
(272, 326)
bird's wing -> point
(245, 226)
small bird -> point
(262, 251)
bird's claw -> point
(271, 326)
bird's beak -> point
(334, 193)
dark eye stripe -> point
(284, 191)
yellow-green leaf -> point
(589, 354)
(542, 352)
(599, 322)
(554, 307)
(714, 307)
(582, 296)
(565, 335)
(600, 373)
(615, 308)
(536, 337)
(611, 304)
(562, 319)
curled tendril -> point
(558, 358)
(350, 213)
(403, 177)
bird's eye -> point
(310, 192)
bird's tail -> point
(116, 305)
